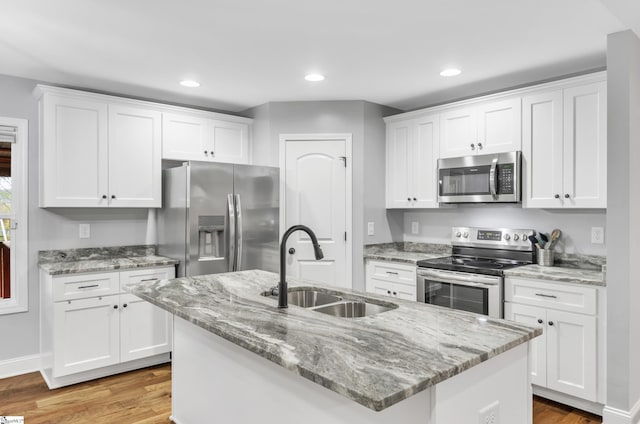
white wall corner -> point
(18, 366)
(612, 415)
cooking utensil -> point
(535, 242)
(545, 239)
(555, 236)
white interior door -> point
(315, 195)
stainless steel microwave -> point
(480, 178)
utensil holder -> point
(545, 257)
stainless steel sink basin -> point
(352, 309)
(311, 298)
(334, 304)
(308, 298)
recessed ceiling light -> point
(189, 83)
(314, 77)
(451, 72)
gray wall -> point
(623, 273)
(53, 228)
(435, 225)
(363, 121)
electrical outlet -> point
(597, 235)
(84, 230)
(415, 228)
(370, 228)
(490, 414)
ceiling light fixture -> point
(189, 83)
(314, 77)
(450, 72)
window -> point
(13, 215)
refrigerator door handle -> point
(238, 234)
(231, 249)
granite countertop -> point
(557, 273)
(405, 252)
(73, 261)
(376, 361)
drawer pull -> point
(149, 279)
(89, 287)
(547, 295)
(392, 273)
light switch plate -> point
(415, 227)
(84, 231)
(370, 228)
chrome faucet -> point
(282, 284)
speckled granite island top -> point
(73, 261)
(376, 361)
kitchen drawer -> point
(392, 272)
(551, 295)
(80, 286)
(145, 274)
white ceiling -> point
(249, 52)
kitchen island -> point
(416, 363)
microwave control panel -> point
(505, 178)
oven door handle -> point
(492, 177)
(470, 280)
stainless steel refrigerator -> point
(219, 217)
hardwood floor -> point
(144, 397)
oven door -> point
(477, 293)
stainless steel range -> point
(472, 279)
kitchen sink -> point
(334, 304)
(311, 298)
(352, 309)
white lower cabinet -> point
(391, 279)
(91, 331)
(566, 358)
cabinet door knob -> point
(566, 196)
(292, 251)
(206, 152)
(479, 146)
(557, 196)
(550, 322)
(415, 199)
(104, 196)
(124, 306)
(540, 321)
(395, 294)
(388, 291)
(409, 199)
(115, 306)
(473, 146)
(113, 196)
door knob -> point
(292, 251)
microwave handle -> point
(492, 177)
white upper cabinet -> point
(73, 151)
(565, 148)
(96, 153)
(135, 173)
(196, 137)
(489, 127)
(412, 154)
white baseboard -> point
(21, 365)
(612, 415)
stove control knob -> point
(525, 237)
(465, 235)
(507, 237)
(458, 234)
(516, 237)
